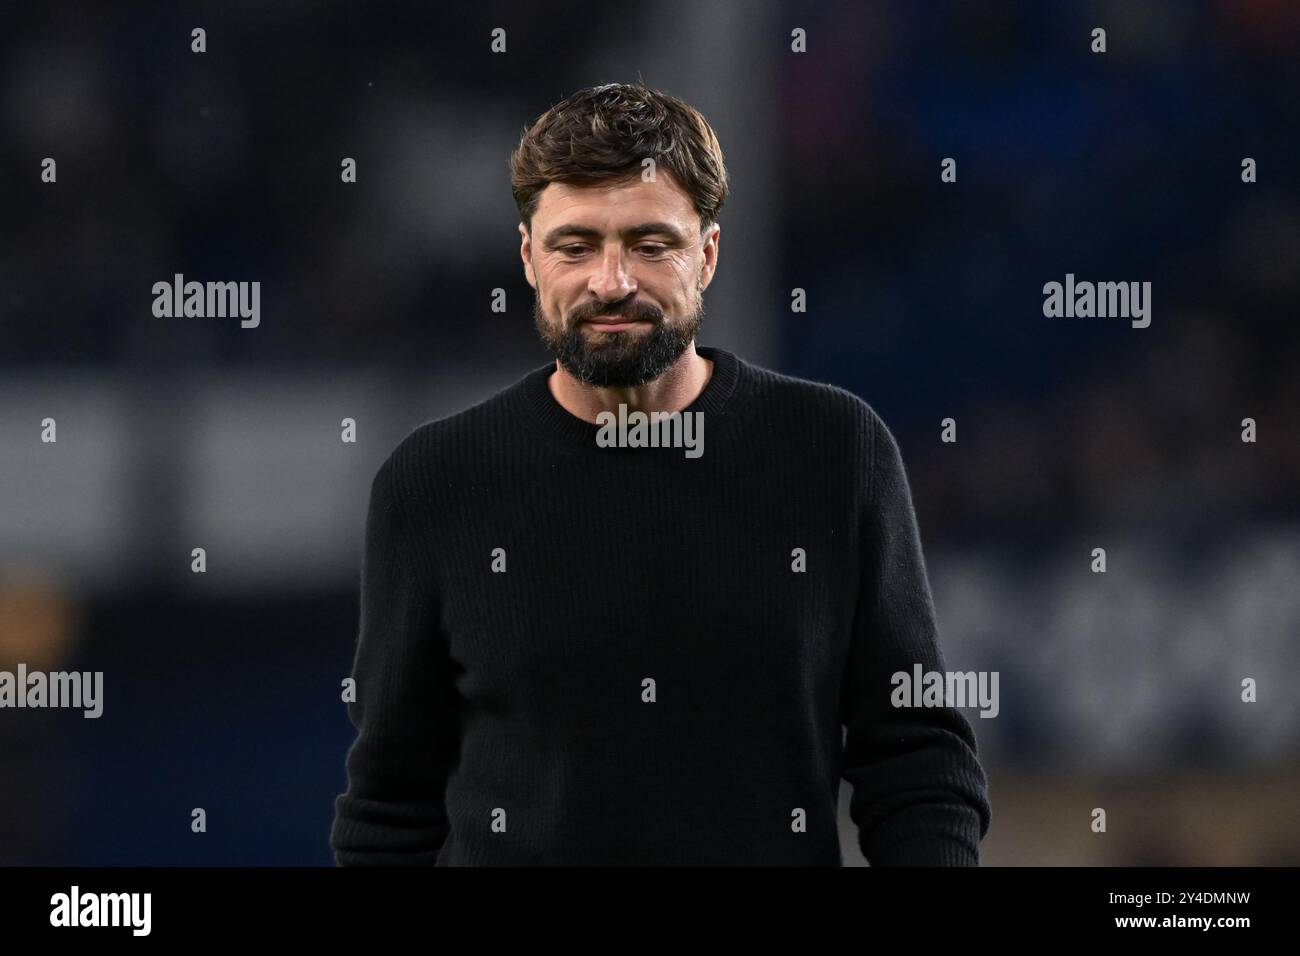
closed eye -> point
(647, 248)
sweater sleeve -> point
(919, 793)
(393, 812)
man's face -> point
(618, 272)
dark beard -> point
(619, 359)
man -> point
(576, 650)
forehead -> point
(618, 201)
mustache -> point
(629, 309)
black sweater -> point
(649, 680)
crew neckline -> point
(540, 409)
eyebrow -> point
(577, 230)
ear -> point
(526, 254)
(709, 244)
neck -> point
(672, 391)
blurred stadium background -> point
(1119, 691)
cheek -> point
(554, 281)
(683, 272)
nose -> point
(610, 281)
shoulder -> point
(811, 403)
(440, 446)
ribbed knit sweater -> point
(575, 654)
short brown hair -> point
(603, 133)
